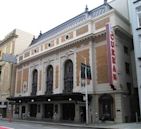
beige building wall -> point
(22, 41)
(84, 43)
(122, 9)
(94, 49)
(13, 44)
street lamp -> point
(86, 90)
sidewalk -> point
(120, 126)
(100, 125)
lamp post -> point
(86, 90)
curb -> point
(80, 125)
(57, 123)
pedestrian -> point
(82, 116)
(54, 115)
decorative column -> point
(77, 113)
(59, 114)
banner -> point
(112, 64)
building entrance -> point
(83, 114)
(68, 110)
(106, 107)
(48, 110)
(33, 110)
(3, 112)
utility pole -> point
(84, 76)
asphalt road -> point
(25, 125)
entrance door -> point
(23, 112)
(68, 110)
(106, 107)
(33, 110)
(83, 114)
(48, 110)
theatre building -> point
(48, 73)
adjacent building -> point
(135, 19)
(13, 44)
(49, 84)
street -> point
(25, 125)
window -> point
(67, 37)
(0, 71)
(34, 81)
(140, 41)
(138, 9)
(126, 50)
(68, 76)
(5, 103)
(127, 68)
(129, 88)
(49, 80)
(49, 44)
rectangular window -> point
(126, 50)
(0, 72)
(129, 88)
(127, 68)
(5, 103)
(138, 9)
(140, 41)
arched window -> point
(49, 80)
(68, 76)
(106, 107)
(34, 82)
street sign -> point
(83, 66)
(88, 72)
(9, 58)
(85, 74)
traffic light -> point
(112, 86)
(83, 71)
(89, 72)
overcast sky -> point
(35, 15)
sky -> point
(34, 16)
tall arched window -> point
(106, 107)
(34, 82)
(68, 76)
(49, 80)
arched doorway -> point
(34, 82)
(49, 80)
(106, 107)
(68, 76)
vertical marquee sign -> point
(112, 65)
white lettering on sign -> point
(112, 64)
(113, 57)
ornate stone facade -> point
(53, 63)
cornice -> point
(56, 49)
(9, 37)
